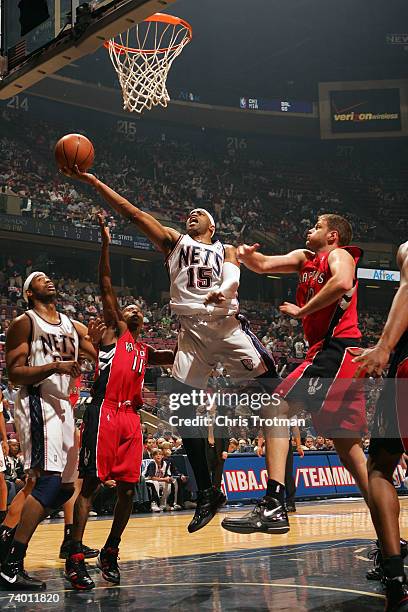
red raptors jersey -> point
(121, 371)
(339, 320)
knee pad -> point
(46, 489)
(63, 495)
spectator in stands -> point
(177, 497)
(14, 474)
(10, 394)
(150, 445)
(309, 444)
(177, 445)
(259, 450)
(244, 446)
(159, 485)
(320, 445)
(233, 446)
(329, 444)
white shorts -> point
(205, 340)
(2, 461)
(46, 429)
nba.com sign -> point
(316, 475)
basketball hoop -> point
(142, 58)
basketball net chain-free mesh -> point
(143, 67)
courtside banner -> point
(316, 475)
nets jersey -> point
(339, 320)
(121, 368)
(53, 342)
(195, 269)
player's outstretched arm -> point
(343, 270)
(374, 360)
(163, 237)
(17, 351)
(264, 264)
(111, 312)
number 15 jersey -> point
(195, 268)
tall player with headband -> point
(323, 384)
(42, 351)
(204, 279)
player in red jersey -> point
(111, 446)
(389, 440)
(323, 384)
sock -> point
(2, 515)
(112, 542)
(17, 552)
(7, 532)
(67, 532)
(276, 489)
(393, 566)
(75, 548)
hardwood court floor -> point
(319, 565)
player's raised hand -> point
(75, 173)
(291, 309)
(214, 297)
(373, 361)
(105, 233)
(244, 251)
(96, 329)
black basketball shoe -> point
(208, 502)
(13, 577)
(396, 594)
(89, 553)
(377, 572)
(108, 564)
(77, 574)
(268, 516)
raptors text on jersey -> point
(340, 319)
(121, 368)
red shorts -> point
(402, 400)
(324, 385)
(112, 444)
(390, 431)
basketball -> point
(74, 149)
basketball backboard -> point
(39, 37)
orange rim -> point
(160, 18)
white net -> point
(142, 59)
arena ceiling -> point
(274, 49)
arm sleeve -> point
(230, 279)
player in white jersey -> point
(42, 350)
(204, 279)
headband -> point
(209, 215)
(27, 283)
